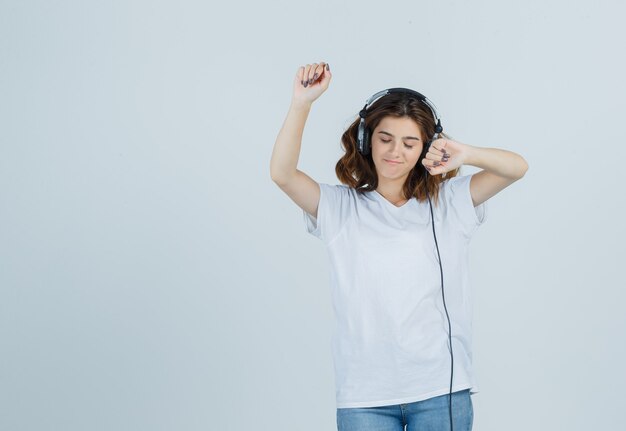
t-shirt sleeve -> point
(332, 212)
(461, 207)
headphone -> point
(364, 146)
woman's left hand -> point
(444, 155)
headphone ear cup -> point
(366, 141)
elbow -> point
(274, 173)
(523, 168)
(277, 179)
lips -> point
(393, 163)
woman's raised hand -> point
(444, 155)
(310, 82)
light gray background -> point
(153, 277)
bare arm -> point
(501, 168)
(310, 82)
(288, 143)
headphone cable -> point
(446, 308)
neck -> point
(392, 190)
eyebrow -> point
(404, 137)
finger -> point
(432, 163)
(442, 157)
(308, 74)
(317, 72)
(326, 75)
(305, 75)
(311, 73)
(432, 170)
(440, 145)
(435, 151)
(432, 148)
(437, 155)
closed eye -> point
(408, 146)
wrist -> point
(300, 105)
(470, 155)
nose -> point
(396, 148)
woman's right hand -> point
(310, 82)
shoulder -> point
(454, 185)
(337, 191)
(457, 198)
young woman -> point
(397, 231)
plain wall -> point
(153, 277)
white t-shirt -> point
(390, 341)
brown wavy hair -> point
(359, 172)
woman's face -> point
(396, 140)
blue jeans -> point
(432, 414)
